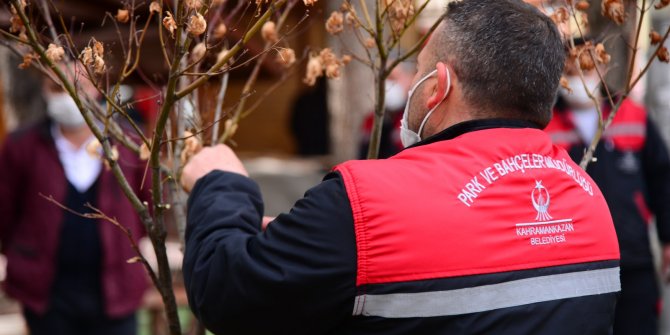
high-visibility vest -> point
(437, 224)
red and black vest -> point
(492, 231)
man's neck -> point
(77, 136)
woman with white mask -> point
(69, 273)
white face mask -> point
(64, 111)
(579, 97)
(407, 136)
(395, 96)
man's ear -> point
(443, 86)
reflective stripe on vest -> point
(489, 297)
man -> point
(633, 172)
(69, 273)
(480, 226)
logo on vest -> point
(545, 230)
(541, 199)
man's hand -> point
(219, 157)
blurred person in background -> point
(397, 85)
(70, 274)
(633, 172)
(310, 121)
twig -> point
(417, 46)
(266, 94)
(631, 69)
(228, 132)
(99, 215)
(47, 18)
(219, 106)
(236, 48)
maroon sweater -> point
(30, 225)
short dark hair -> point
(508, 55)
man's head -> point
(504, 59)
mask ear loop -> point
(440, 66)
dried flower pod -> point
(330, 63)
(114, 154)
(662, 4)
(94, 148)
(601, 54)
(335, 23)
(193, 4)
(86, 56)
(145, 152)
(22, 5)
(220, 31)
(55, 52)
(122, 15)
(565, 84)
(98, 64)
(169, 23)
(98, 48)
(370, 43)
(586, 63)
(614, 10)
(154, 7)
(27, 60)
(399, 12)
(351, 19)
(309, 2)
(269, 32)
(582, 5)
(572, 54)
(327, 56)
(314, 70)
(655, 38)
(16, 24)
(197, 25)
(113, 157)
(191, 146)
(333, 71)
(198, 51)
(286, 57)
(663, 55)
(561, 15)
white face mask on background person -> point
(579, 97)
(396, 97)
(63, 110)
(407, 136)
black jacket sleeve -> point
(657, 174)
(297, 277)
